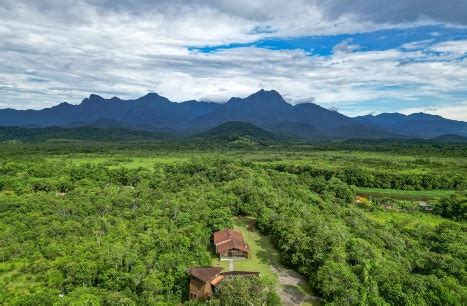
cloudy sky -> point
(356, 56)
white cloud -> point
(453, 48)
(417, 44)
(345, 46)
(456, 112)
(55, 51)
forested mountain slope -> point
(265, 109)
(416, 125)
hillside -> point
(150, 110)
(450, 138)
(78, 133)
(265, 109)
(237, 133)
(415, 125)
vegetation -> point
(245, 291)
(119, 223)
(405, 194)
(454, 207)
(23, 134)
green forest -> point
(119, 223)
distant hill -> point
(237, 132)
(268, 110)
(450, 138)
(264, 109)
(151, 110)
(15, 133)
(294, 129)
(415, 125)
(105, 123)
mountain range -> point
(265, 109)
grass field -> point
(404, 194)
(407, 220)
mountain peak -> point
(92, 98)
(266, 97)
(422, 115)
(267, 93)
(151, 95)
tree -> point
(245, 290)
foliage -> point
(109, 224)
(16, 133)
(236, 291)
(454, 207)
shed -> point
(205, 280)
(200, 282)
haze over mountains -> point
(265, 109)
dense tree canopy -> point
(105, 234)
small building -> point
(205, 280)
(201, 279)
(230, 244)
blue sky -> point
(370, 41)
(351, 56)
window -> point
(193, 296)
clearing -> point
(404, 194)
(292, 287)
(405, 219)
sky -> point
(358, 57)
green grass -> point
(404, 219)
(118, 160)
(404, 194)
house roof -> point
(217, 280)
(232, 244)
(204, 274)
(226, 235)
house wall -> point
(234, 253)
(199, 290)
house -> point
(205, 280)
(202, 281)
(230, 244)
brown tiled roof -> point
(232, 244)
(217, 280)
(204, 274)
(226, 235)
